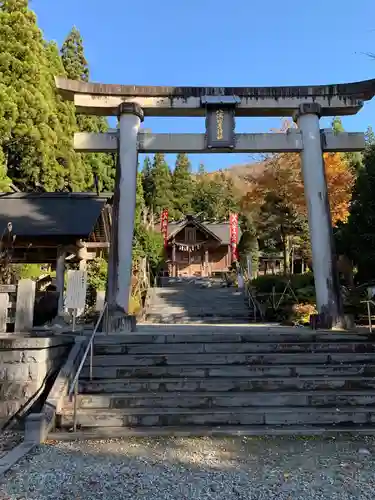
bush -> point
(135, 305)
(302, 285)
(301, 313)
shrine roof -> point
(51, 214)
(364, 90)
(220, 230)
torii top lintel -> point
(104, 99)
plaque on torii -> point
(220, 121)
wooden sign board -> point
(76, 290)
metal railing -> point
(73, 390)
(369, 303)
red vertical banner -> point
(233, 222)
(164, 226)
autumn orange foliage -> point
(282, 176)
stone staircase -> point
(198, 380)
(197, 301)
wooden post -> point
(174, 273)
(25, 306)
(83, 265)
(4, 304)
(100, 300)
(60, 278)
(206, 262)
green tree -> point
(74, 171)
(229, 200)
(248, 244)
(162, 184)
(215, 196)
(354, 159)
(182, 186)
(73, 57)
(140, 200)
(99, 166)
(358, 236)
(147, 181)
(33, 143)
(278, 224)
(370, 136)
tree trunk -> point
(286, 251)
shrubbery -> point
(290, 308)
(301, 284)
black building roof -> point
(51, 214)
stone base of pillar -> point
(117, 321)
(326, 322)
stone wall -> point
(26, 363)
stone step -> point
(168, 385)
(200, 304)
(240, 347)
(175, 334)
(325, 430)
(200, 313)
(132, 417)
(189, 320)
(199, 301)
(214, 400)
(126, 360)
(207, 371)
(196, 296)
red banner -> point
(233, 221)
(164, 226)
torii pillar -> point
(327, 285)
(120, 262)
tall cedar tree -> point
(354, 159)
(74, 172)
(162, 184)
(100, 165)
(182, 186)
(147, 181)
(360, 230)
(34, 145)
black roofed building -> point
(55, 228)
(47, 224)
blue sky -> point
(236, 43)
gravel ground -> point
(8, 440)
(197, 468)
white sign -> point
(76, 290)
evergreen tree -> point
(73, 57)
(202, 199)
(354, 159)
(73, 170)
(248, 244)
(147, 181)
(370, 136)
(182, 186)
(359, 233)
(30, 133)
(162, 185)
(140, 200)
(214, 196)
(97, 165)
(229, 199)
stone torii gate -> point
(220, 106)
